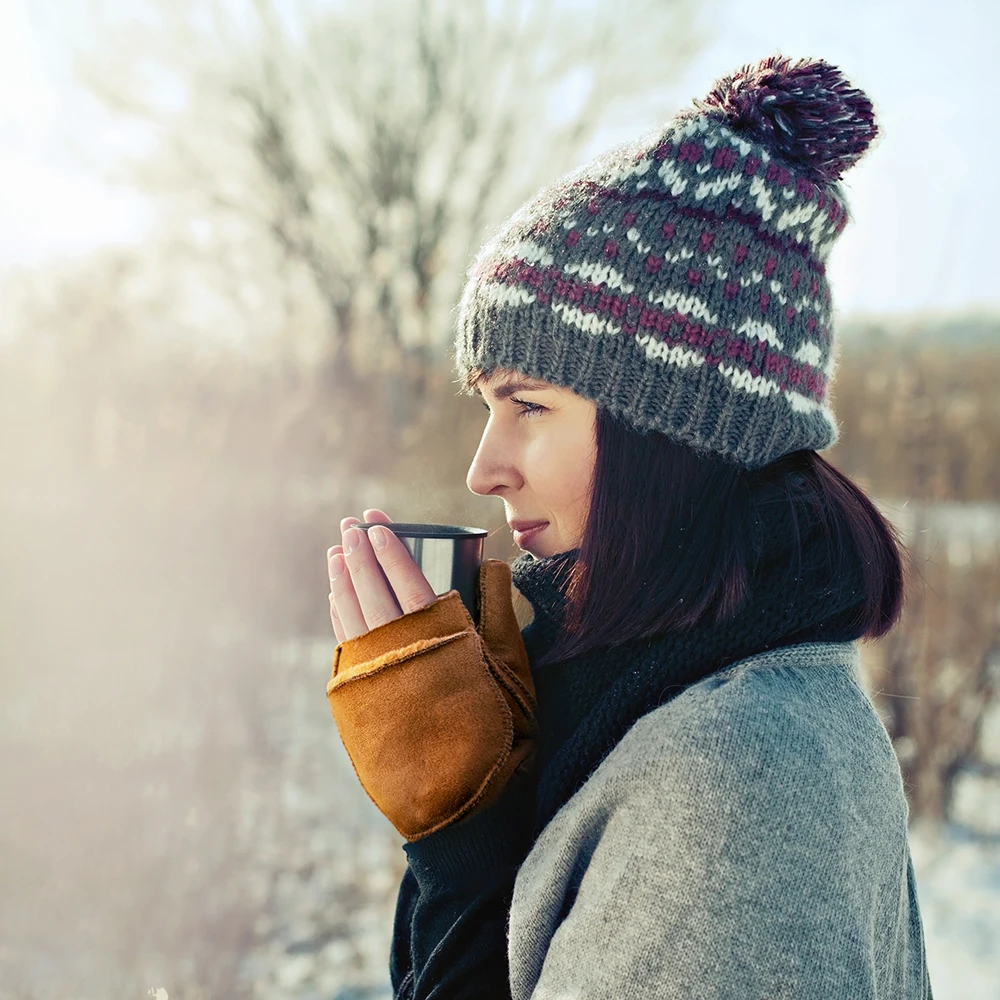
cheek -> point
(562, 470)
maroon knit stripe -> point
(673, 329)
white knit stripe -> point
(686, 305)
(699, 123)
(763, 197)
(795, 216)
(758, 385)
(739, 378)
(817, 231)
(600, 274)
(588, 322)
(532, 252)
(803, 404)
(810, 353)
(678, 355)
(631, 170)
(716, 187)
(825, 246)
(673, 179)
(805, 302)
(506, 295)
(762, 331)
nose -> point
(488, 474)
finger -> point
(375, 516)
(409, 585)
(330, 553)
(346, 603)
(376, 603)
(338, 629)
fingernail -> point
(378, 538)
(351, 538)
(336, 566)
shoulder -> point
(751, 832)
(790, 729)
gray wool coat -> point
(747, 840)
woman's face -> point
(537, 454)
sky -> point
(922, 199)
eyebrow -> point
(508, 388)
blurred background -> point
(232, 234)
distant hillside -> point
(967, 330)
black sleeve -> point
(449, 938)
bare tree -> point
(362, 150)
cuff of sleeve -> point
(477, 852)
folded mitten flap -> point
(391, 658)
(442, 617)
(429, 734)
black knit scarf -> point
(586, 704)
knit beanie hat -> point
(679, 280)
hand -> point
(437, 713)
(369, 588)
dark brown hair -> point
(652, 496)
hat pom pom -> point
(805, 111)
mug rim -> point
(417, 529)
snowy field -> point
(958, 884)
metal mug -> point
(449, 555)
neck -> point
(541, 582)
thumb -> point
(498, 625)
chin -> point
(541, 551)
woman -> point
(693, 797)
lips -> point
(526, 530)
(526, 526)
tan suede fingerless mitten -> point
(436, 715)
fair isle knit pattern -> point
(680, 280)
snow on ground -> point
(958, 887)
